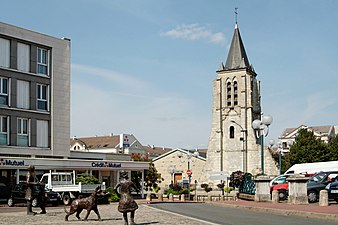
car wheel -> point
(336, 199)
(282, 195)
(10, 202)
(312, 196)
(66, 199)
(35, 202)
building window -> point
(42, 97)
(4, 137)
(232, 132)
(22, 94)
(235, 93)
(43, 61)
(42, 133)
(23, 57)
(4, 91)
(23, 132)
(228, 94)
(5, 52)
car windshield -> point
(318, 177)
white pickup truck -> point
(64, 184)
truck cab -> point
(56, 179)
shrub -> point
(206, 187)
(184, 191)
(112, 195)
(86, 179)
(156, 189)
(227, 189)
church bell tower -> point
(236, 103)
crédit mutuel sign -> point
(106, 164)
(11, 162)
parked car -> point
(318, 182)
(332, 189)
(280, 184)
(315, 184)
(17, 195)
(4, 191)
(283, 190)
(281, 179)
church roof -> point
(237, 58)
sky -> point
(146, 67)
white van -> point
(312, 168)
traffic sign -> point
(189, 172)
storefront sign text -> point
(106, 164)
(9, 162)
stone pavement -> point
(109, 214)
(148, 215)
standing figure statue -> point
(34, 190)
(127, 203)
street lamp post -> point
(244, 145)
(261, 128)
(279, 149)
(220, 122)
(189, 158)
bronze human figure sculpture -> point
(127, 203)
(34, 189)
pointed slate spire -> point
(237, 58)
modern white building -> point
(35, 111)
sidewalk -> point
(312, 210)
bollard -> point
(182, 198)
(209, 197)
(323, 198)
(148, 199)
(171, 197)
(160, 196)
(275, 197)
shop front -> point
(13, 170)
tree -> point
(152, 178)
(333, 148)
(306, 149)
(139, 157)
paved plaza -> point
(109, 214)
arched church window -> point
(228, 93)
(235, 93)
(232, 132)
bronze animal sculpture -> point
(126, 203)
(88, 203)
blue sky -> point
(147, 67)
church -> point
(234, 144)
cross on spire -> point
(236, 14)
